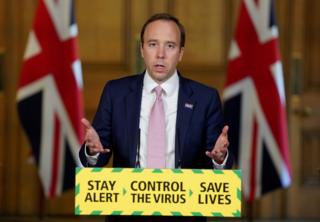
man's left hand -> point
(220, 149)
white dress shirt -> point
(170, 102)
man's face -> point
(161, 49)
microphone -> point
(137, 165)
(178, 148)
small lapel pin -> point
(188, 105)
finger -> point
(86, 123)
(212, 153)
(94, 147)
(209, 154)
(105, 151)
(225, 130)
(90, 144)
(217, 156)
(102, 150)
(93, 150)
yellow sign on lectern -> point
(167, 192)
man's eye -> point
(171, 46)
(152, 44)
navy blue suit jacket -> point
(198, 125)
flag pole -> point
(249, 211)
(42, 202)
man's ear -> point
(181, 53)
(141, 50)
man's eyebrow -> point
(152, 40)
(167, 42)
(172, 42)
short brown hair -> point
(166, 17)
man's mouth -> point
(159, 65)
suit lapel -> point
(133, 107)
(186, 105)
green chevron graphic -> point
(78, 170)
(217, 214)
(197, 171)
(137, 213)
(137, 170)
(96, 212)
(217, 171)
(176, 213)
(77, 210)
(118, 212)
(177, 171)
(96, 170)
(117, 170)
(239, 194)
(196, 214)
(238, 173)
(237, 213)
(77, 189)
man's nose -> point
(161, 52)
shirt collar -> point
(169, 86)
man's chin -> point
(160, 77)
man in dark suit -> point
(194, 136)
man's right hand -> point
(92, 139)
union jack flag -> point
(254, 104)
(49, 95)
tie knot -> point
(158, 91)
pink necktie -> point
(156, 141)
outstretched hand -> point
(220, 149)
(92, 139)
